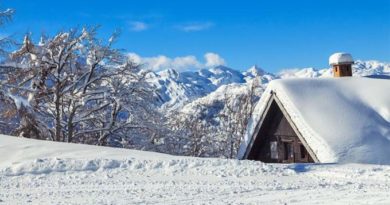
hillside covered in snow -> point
(42, 172)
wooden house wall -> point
(276, 133)
(342, 70)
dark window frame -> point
(303, 151)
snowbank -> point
(15, 150)
(43, 172)
(343, 120)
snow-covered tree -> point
(79, 87)
(190, 134)
(215, 125)
(236, 115)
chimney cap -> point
(340, 58)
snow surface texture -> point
(42, 172)
(343, 120)
(340, 58)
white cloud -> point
(138, 26)
(161, 62)
(135, 58)
(186, 62)
(181, 63)
(190, 27)
(213, 59)
(158, 62)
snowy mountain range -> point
(176, 89)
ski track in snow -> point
(190, 181)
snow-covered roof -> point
(340, 58)
(341, 120)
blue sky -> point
(272, 34)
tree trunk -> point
(58, 113)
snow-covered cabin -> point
(323, 120)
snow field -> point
(59, 173)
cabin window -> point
(335, 69)
(303, 151)
(274, 150)
(288, 150)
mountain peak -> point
(254, 71)
(172, 73)
(221, 69)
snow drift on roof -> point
(342, 120)
(340, 58)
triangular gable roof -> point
(340, 119)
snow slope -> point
(341, 119)
(175, 89)
(42, 172)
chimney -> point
(341, 64)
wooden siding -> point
(276, 141)
(343, 70)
